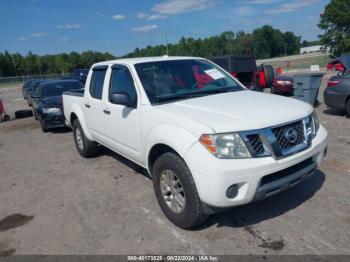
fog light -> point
(232, 191)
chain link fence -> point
(17, 81)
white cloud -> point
(156, 17)
(292, 6)
(69, 26)
(175, 7)
(22, 38)
(244, 11)
(38, 34)
(150, 16)
(145, 29)
(142, 15)
(118, 17)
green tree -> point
(335, 21)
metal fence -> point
(19, 80)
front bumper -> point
(53, 121)
(214, 176)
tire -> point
(269, 75)
(273, 91)
(347, 108)
(43, 127)
(6, 118)
(23, 113)
(35, 115)
(191, 213)
(85, 147)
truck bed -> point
(78, 92)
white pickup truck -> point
(207, 142)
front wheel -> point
(43, 127)
(85, 147)
(176, 191)
(347, 107)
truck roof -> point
(136, 60)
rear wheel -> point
(85, 147)
(176, 191)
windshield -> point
(57, 89)
(182, 79)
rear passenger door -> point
(93, 104)
(122, 123)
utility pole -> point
(166, 43)
(285, 49)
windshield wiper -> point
(174, 97)
(195, 94)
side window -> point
(121, 81)
(96, 84)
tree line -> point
(31, 64)
(263, 42)
(335, 22)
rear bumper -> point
(286, 89)
(333, 98)
(214, 176)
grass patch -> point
(302, 63)
(11, 85)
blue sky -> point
(119, 26)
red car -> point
(282, 85)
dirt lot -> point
(60, 203)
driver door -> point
(122, 123)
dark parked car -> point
(337, 93)
(25, 88)
(48, 103)
(31, 90)
(282, 85)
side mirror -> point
(122, 99)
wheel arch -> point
(76, 113)
(167, 138)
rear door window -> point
(96, 84)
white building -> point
(311, 49)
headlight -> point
(52, 110)
(227, 146)
(315, 123)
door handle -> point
(106, 111)
(87, 105)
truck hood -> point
(52, 101)
(239, 111)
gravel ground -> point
(52, 201)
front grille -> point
(278, 141)
(280, 134)
(256, 144)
